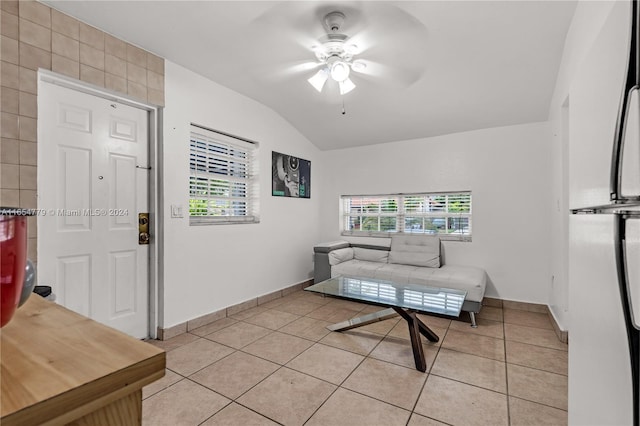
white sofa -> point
(414, 259)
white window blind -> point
(447, 214)
(223, 178)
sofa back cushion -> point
(340, 255)
(371, 255)
(422, 250)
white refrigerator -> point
(604, 227)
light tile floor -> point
(278, 364)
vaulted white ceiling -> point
(435, 67)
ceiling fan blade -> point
(390, 75)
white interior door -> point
(92, 183)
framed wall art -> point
(290, 176)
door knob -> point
(143, 228)
(143, 238)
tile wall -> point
(35, 36)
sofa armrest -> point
(322, 267)
(330, 246)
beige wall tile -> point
(9, 25)
(10, 100)
(91, 75)
(116, 66)
(28, 105)
(9, 128)
(32, 227)
(9, 197)
(114, 46)
(35, 12)
(9, 50)
(65, 24)
(65, 66)
(136, 56)
(91, 36)
(28, 199)
(10, 6)
(28, 153)
(156, 97)
(155, 63)
(155, 80)
(65, 46)
(35, 35)
(10, 151)
(10, 75)
(32, 248)
(91, 56)
(136, 90)
(28, 129)
(168, 333)
(136, 74)
(113, 82)
(27, 177)
(10, 176)
(33, 57)
(28, 80)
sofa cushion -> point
(371, 255)
(340, 255)
(423, 250)
(357, 268)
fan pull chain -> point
(343, 111)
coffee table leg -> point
(414, 334)
(415, 328)
(363, 320)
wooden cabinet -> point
(59, 367)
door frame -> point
(154, 114)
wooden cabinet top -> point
(54, 362)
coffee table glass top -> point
(435, 300)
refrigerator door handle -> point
(632, 83)
(633, 332)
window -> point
(447, 214)
(222, 179)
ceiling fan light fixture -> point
(340, 71)
(319, 79)
(346, 86)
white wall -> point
(505, 168)
(207, 268)
(585, 26)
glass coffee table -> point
(406, 300)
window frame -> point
(228, 163)
(346, 215)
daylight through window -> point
(222, 179)
(447, 214)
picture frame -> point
(290, 176)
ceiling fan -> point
(336, 56)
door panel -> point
(74, 189)
(122, 282)
(74, 278)
(122, 198)
(92, 183)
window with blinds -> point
(447, 214)
(223, 178)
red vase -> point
(13, 254)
